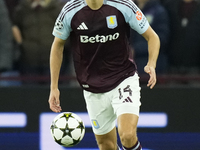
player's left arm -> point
(153, 50)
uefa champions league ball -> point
(67, 129)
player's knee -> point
(107, 145)
(128, 138)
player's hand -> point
(152, 73)
(54, 101)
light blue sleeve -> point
(132, 14)
(62, 27)
(138, 21)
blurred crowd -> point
(26, 37)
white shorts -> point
(104, 108)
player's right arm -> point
(56, 58)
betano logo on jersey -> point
(98, 38)
(111, 21)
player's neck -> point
(94, 4)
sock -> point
(137, 146)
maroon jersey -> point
(99, 41)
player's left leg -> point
(126, 105)
(127, 128)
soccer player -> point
(98, 30)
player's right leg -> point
(103, 119)
(107, 141)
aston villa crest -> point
(111, 21)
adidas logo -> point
(82, 26)
(128, 99)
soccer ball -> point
(67, 129)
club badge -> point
(111, 21)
